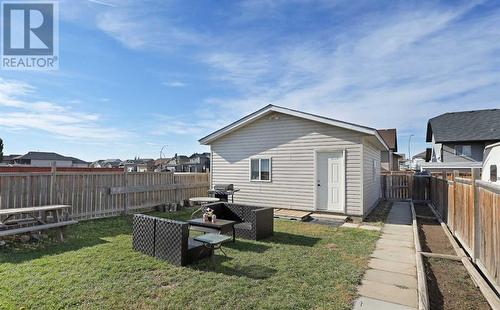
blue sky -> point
(137, 75)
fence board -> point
(94, 195)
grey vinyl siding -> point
(290, 142)
(449, 152)
(371, 176)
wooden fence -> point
(403, 185)
(396, 186)
(100, 194)
(471, 209)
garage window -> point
(260, 169)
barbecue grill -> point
(223, 191)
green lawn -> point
(303, 266)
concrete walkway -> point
(391, 281)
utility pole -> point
(409, 149)
(161, 157)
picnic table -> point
(13, 221)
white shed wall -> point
(371, 176)
(290, 141)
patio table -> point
(219, 226)
(213, 241)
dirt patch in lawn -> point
(379, 213)
(432, 237)
(450, 286)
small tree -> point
(1, 150)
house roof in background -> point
(479, 125)
(390, 138)
(10, 157)
(78, 161)
(44, 156)
(50, 156)
(200, 155)
(422, 155)
(272, 108)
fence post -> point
(455, 175)
(411, 179)
(127, 198)
(445, 192)
(53, 171)
(477, 225)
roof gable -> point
(272, 108)
(390, 138)
(479, 125)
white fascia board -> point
(268, 109)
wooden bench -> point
(58, 213)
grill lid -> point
(223, 187)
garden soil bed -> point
(432, 237)
(450, 286)
(448, 282)
(423, 209)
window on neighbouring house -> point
(260, 169)
(463, 150)
(493, 173)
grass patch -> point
(302, 266)
(379, 214)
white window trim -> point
(250, 169)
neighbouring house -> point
(402, 162)
(390, 160)
(459, 138)
(79, 163)
(45, 159)
(106, 163)
(176, 163)
(161, 164)
(283, 158)
(9, 159)
(418, 159)
(491, 164)
(138, 165)
(197, 163)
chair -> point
(254, 222)
(167, 240)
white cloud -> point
(102, 3)
(389, 71)
(174, 84)
(139, 26)
(20, 112)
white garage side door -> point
(330, 187)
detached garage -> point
(284, 158)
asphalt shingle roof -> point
(50, 156)
(480, 125)
(44, 156)
(390, 138)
